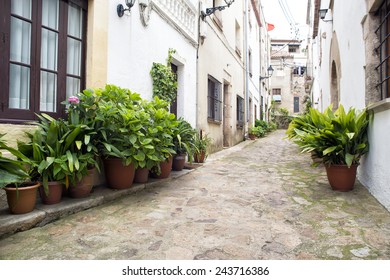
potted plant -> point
(338, 139)
(81, 111)
(119, 132)
(16, 181)
(184, 142)
(200, 147)
(164, 124)
(147, 156)
(56, 155)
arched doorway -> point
(335, 72)
(334, 88)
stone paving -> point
(258, 200)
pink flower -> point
(73, 100)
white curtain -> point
(74, 47)
(49, 55)
(19, 83)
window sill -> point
(213, 121)
(380, 106)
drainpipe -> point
(246, 61)
(197, 69)
(260, 61)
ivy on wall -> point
(164, 79)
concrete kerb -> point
(44, 214)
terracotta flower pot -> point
(166, 167)
(55, 193)
(118, 175)
(200, 157)
(84, 187)
(23, 199)
(178, 162)
(340, 177)
(141, 175)
(252, 136)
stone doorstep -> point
(44, 214)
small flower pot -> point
(84, 187)
(178, 162)
(55, 193)
(166, 167)
(22, 200)
(141, 175)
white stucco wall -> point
(374, 170)
(132, 49)
(323, 69)
(218, 58)
(347, 18)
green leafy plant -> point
(184, 138)
(164, 79)
(202, 142)
(55, 151)
(12, 171)
(258, 131)
(335, 138)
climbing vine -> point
(164, 79)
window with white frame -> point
(277, 94)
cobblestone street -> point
(257, 200)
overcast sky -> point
(274, 14)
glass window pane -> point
(74, 57)
(20, 41)
(50, 13)
(72, 86)
(75, 21)
(49, 49)
(21, 8)
(19, 87)
(48, 96)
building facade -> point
(351, 67)
(228, 70)
(53, 49)
(288, 81)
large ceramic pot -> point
(118, 176)
(22, 200)
(340, 177)
(55, 193)
(141, 175)
(178, 162)
(84, 187)
(166, 167)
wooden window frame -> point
(10, 115)
(214, 98)
(240, 114)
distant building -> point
(289, 60)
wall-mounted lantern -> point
(270, 71)
(120, 10)
(210, 11)
(322, 13)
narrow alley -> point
(258, 200)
